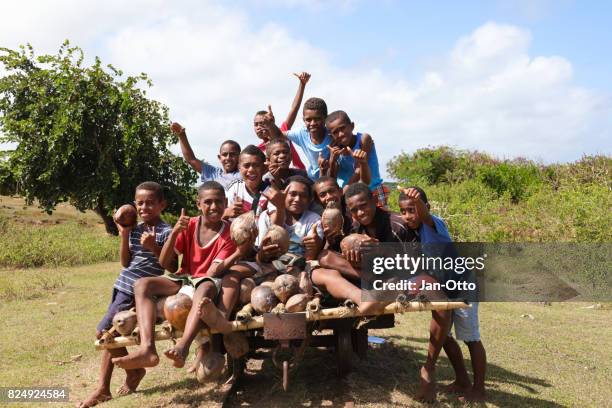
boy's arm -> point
(420, 206)
(125, 256)
(277, 198)
(217, 268)
(188, 154)
(297, 100)
(168, 257)
(361, 160)
(148, 240)
(271, 126)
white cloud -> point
(214, 69)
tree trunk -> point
(109, 223)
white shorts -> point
(466, 323)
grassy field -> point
(539, 356)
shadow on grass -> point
(389, 376)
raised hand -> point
(147, 240)
(323, 163)
(312, 242)
(124, 231)
(303, 77)
(177, 129)
(268, 117)
(275, 196)
(182, 223)
(236, 208)
(360, 156)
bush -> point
(518, 180)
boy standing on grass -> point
(346, 153)
(208, 251)
(414, 208)
(228, 157)
(262, 132)
(139, 253)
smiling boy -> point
(228, 157)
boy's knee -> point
(230, 280)
(141, 287)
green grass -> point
(31, 238)
(560, 358)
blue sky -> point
(409, 35)
(512, 78)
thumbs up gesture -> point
(182, 223)
(147, 240)
(359, 156)
(312, 242)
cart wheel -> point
(360, 342)
(344, 350)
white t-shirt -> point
(297, 231)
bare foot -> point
(456, 388)
(427, 390)
(138, 359)
(131, 381)
(177, 354)
(473, 396)
(209, 314)
(97, 397)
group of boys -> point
(270, 180)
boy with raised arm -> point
(344, 156)
(228, 157)
(138, 253)
(262, 132)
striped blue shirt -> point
(143, 263)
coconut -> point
(159, 309)
(246, 287)
(332, 219)
(305, 284)
(236, 344)
(353, 241)
(126, 215)
(263, 299)
(244, 228)
(269, 284)
(211, 367)
(125, 322)
(285, 286)
(279, 236)
(297, 303)
(176, 310)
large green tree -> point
(86, 135)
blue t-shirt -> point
(346, 166)
(439, 235)
(143, 263)
(214, 173)
(301, 138)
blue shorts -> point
(466, 323)
(119, 302)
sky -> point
(511, 78)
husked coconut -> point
(263, 299)
(176, 310)
(279, 236)
(125, 322)
(353, 241)
(269, 284)
(297, 303)
(244, 228)
(236, 344)
(126, 215)
(285, 286)
(246, 287)
(305, 284)
(211, 367)
(332, 219)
